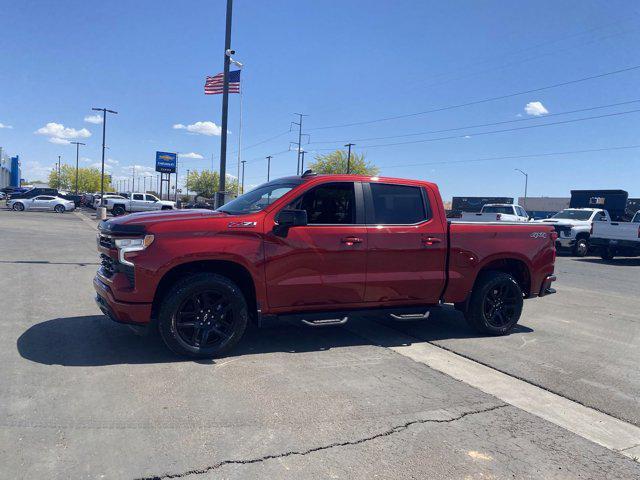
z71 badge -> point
(538, 235)
(241, 224)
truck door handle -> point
(350, 241)
(428, 241)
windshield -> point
(258, 198)
(574, 214)
(496, 209)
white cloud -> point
(59, 141)
(4, 125)
(201, 128)
(111, 161)
(138, 169)
(95, 119)
(536, 109)
(193, 155)
(60, 135)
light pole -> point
(59, 180)
(77, 144)
(243, 162)
(268, 166)
(349, 156)
(104, 135)
(186, 183)
(526, 184)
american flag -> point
(215, 84)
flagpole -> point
(225, 106)
(240, 133)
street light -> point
(77, 144)
(104, 133)
(526, 182)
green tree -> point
(88, 179)
(205, 183)
(336, 162)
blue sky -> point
(339, 62)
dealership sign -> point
(166, 162)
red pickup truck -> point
(317, 249)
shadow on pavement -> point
(97, 341)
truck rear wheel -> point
(203, 315)
(607, 254)
(496, 303)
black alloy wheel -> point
(203, 315)
(496, 303)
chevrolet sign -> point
(166, 162)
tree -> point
(336, 162)
(205, 183)
(88, 179)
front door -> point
(41, 202)
(323, 263)
(407, 247)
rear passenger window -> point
(331, 203)
(138, 196)
(397, 204)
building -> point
(9, 170)
(543, 207)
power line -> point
(484, 100)
(495, 131)
(481, 125)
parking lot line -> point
(586, 422)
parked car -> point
(41, 202)
(497, 212)
(573, 226)
(3, 196)
(34, 192)
(315, 249)
(76, 199)
(139, 202)
(611, 239)
(97, 197)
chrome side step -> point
(325, 322)
(408, 317)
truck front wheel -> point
(203, 315)
(496, 303)
(581, 248)
(118, 210)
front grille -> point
(106, 242)
(109, 267)
(562, 228)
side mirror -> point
(287, 219)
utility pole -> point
(104, 134)
(299, 123)
(59, 178)
(243, 162)
(269, 157)
(186, 183)
(133, 179)
(225, 106)
(302, 162)
(349, 157)
(526, 182)
(77, 144)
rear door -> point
(137, 203)
(407, 245)
(323, 263)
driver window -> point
(151, 198)
(328, 204)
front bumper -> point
(122, 312)
(563, 242)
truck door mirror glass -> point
(287, 219)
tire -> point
(581, 248)
(185, 320)
(59, 209)
(18, 207)
(487, 316)
(607, 254)
(118, 210)
(166, 208)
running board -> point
(325, 322)
(410, 317)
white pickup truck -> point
(139, 202)
(617, 238)
(573, 226)
(497, 212)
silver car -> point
(42, 202)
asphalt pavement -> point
(83, 397)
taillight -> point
(554, 236)
(638, 232)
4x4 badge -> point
(538, 235)
(241, 224)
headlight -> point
(127, 245)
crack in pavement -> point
(390, 431)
